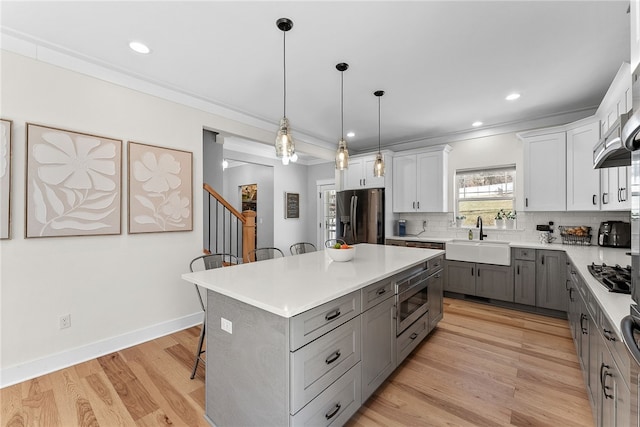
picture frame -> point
(160, 189)
(74, 183)
(6, 127)
(291, 205)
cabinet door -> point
(545, 172)
(494, 281)
(551, 271)
(460, 277)
(371, 181)
(434, 291)
(524, 291)
(614, 396)
(353, 175)
(378, 346)
(615, 186)
(583, 181)
(404, 183)
(431, 195)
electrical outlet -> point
(65, 321)
(226, 325)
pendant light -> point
(378, 165)
(285, 147)
(342, 156)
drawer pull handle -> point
(334, 412)
(607, 335)
(381, 291)
(335, 356)
(332, 314)
(413, 336)
(603, 378)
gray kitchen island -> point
(304, 340)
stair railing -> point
(227, 229)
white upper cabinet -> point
(583, 181)
(617, 100)
(360, 173)
(545, 170)
(420, 180)
(615, 188)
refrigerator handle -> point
(354, 208)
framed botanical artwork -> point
(291, 205)
(160, 189)
(5, 179)
(74, 183)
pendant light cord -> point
(378, 125)
(342, 104)
(284, 66)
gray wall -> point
(212, 156)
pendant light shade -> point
(285, 147)
(342, 155)
(378, 165)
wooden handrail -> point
(226, 204)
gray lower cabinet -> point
(435, 294)
(602, 355)
(524, 274)
(551, 267)
(378, 345)
(483, 280)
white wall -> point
(118, 289)
(253, 174)
(498, 150)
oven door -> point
(412, 301)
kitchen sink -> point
(482, 251)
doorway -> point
(326, 212)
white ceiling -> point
(443, 65)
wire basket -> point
(575, 235)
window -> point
(484, 192)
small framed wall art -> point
(74, 183)
(5, 179)
(160, 189)
(291, 205)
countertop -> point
(291, 285)
(615, 306)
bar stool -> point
(260, 254)
(207, 262)
(302, 248)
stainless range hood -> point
(610, 151)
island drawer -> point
(307, 326)
(377, 292)
(524, 254)
(335, 405)
(410, 338)
(315, 366)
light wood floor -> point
(482, 366)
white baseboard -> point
(26, 371)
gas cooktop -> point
(615, 278)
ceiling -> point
(443, 65)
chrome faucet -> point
(479, 224)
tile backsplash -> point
(442, 225)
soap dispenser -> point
(470, 234)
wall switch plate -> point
(226, 325)
(65, 321)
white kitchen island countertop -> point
(291, 285)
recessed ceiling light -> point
(476, 124)
(139, 47)
(351, 134)
(512, 96)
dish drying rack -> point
(575, 235)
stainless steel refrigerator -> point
(360, 216)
